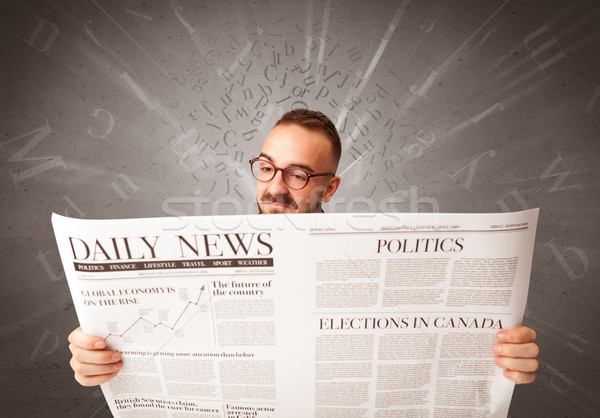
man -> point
(295, 173)
(309, 142)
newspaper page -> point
(325, 315)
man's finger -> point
(83, 340)
(94, 356)
(517, 364)
(87, 369)
(526, 350)
(519, 377)
(518, 335)
(93, 380)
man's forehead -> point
(295, 164)
(298, 146)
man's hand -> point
(91, 363)
(516, 353)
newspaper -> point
(325, 315)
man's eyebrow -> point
(262, 154)
(304, 166)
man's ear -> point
(330, 188)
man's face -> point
(294, 145)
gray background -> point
(118, 109)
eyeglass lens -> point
(293, 177)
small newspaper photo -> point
(305, 315)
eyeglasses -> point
(295, 178)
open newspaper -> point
(325, 315)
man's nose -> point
(277, 185)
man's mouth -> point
(279, 202)
(277, 205)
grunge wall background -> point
(117, 109)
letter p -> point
(39, 348)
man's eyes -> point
(299, 176)
(293, 174)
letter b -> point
(561, 256)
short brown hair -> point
(315, 121)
